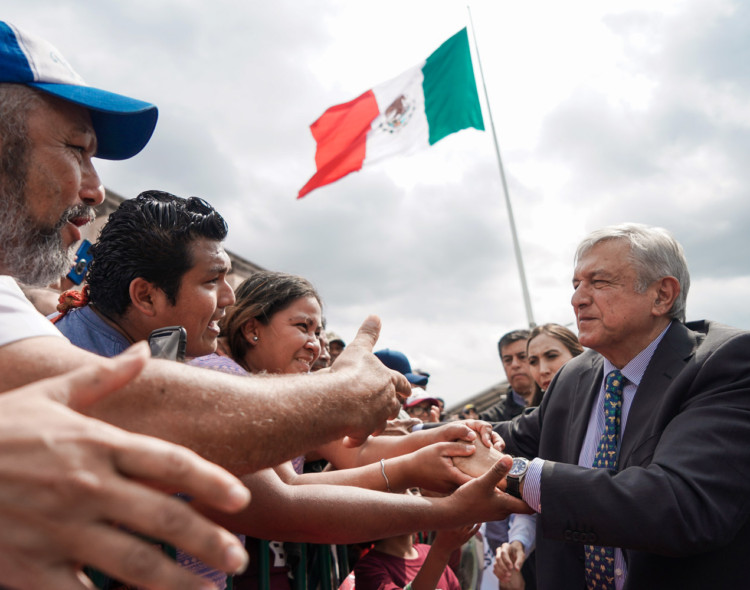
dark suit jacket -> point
(505, 408)
(680, 501)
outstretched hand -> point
(432, 467)
(480, 500)
(452, 539)
(65, 478)
(509, 560)
(377, 391)
(468, 430)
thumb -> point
(368, 333)
(86, 386)
(498, 471)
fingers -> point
(504, 554)
(485, 432)
(502, 567)
(87, 385)
(175, 467)
(497, 442)
(468, 532)
(134, 561)
(498, 471)
(456, 430)
(166, 518)
(455, 449)
(368, 333)
(403, 389)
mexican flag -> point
(410, 112)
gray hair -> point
(655, 254)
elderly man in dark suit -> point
(662, 410)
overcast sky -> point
(605, 112)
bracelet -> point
(382, 470)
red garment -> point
(380, 571)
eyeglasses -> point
(420, 409)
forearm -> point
(225, 418)
(374, 449)
(369, 477)
(231, 420)
(337, 514)
(386, 447)
(523, 529)
(429, 574)
(392, 475)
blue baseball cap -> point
(123, 125)
(397, 361)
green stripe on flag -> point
(450, 91)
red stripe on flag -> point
(341, 135)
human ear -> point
(145, 296)
(667, 291)
(250, 331)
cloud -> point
(605, 112)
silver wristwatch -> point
(515, 476)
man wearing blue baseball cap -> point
(123, 125)
(51, 127)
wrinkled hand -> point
(376, 392)
(65, 478)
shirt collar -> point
(635, 369)
(518, 398)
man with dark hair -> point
(158, 262)
(512, 350)
(641, 445)
(53, 125)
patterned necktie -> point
(600, 561)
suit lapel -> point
(586, 392)
(675, 349)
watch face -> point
(519, 466)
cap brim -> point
(416, 379)
(419, 400)
(123, 125)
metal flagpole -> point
(511, 219)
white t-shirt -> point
(19, 319)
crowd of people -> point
(111, 460)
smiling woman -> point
(275, 325)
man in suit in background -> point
(667, 506)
